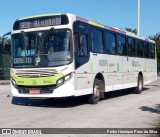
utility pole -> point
(138, 19)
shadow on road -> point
(69, 101)
(155, 109)
(53, 103)
(119, 93)
(152, 85)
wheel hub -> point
(96, 91)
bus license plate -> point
(34, 91)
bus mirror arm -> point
(9, 33)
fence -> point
(158, 66)
(5, 62)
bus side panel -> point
(114, 72)
(129, 78)
(82, 83)
(151, 73)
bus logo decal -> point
(34, 82)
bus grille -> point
(36, 73)
(43, 89)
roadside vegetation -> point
(158, 123)
(156, 38)
(158, 128)
(6, 40)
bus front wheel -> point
(97, 89)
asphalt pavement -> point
(120, 109)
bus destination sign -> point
(40, 22)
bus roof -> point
(114, 29)
(40, 15)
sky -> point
(113, 13)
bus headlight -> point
(67, 77)
(13, 82)
(64, 79)
(60, 81)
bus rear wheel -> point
(139, 88)
(97, 90)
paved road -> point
(120, 109)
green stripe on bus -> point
(91, 67)
(39, 81)
(117, 67)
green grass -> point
(158, 128)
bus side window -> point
(81, 49)
(146, 50)
(131, 47)
(97, 41)
(110, 43)
(139, 48)
(121, 45)
(152, 51)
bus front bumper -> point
(65, 90)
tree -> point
(156, 38)
(131, 30)
(6, 40)
(0, 40)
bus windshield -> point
(41, 49)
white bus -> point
(62, 55)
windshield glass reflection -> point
(41, 49)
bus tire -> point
(139, 88)
(97, 89)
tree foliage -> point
(6, 40)
(131, 30)
(156, 38)
(0, 40)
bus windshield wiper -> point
(22, 37)
(48, 36)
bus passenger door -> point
(81, 63)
